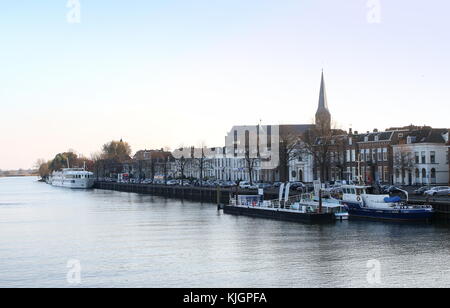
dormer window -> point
(366, 138)
(377, 138)
(410, 139)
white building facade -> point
(421, 164)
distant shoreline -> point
(16, 175)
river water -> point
(114, 239)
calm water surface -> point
(131, 240)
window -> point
(386, 174)
(432, 157)
(424, 160)
(433, 173)
(385, 154)
(235, 143)
(269, 138)
(417, 158)
(424, 174)
(380, 155)
(247, 142)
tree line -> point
(117, 151)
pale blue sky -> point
(171, 73)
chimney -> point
(375, 130)
(350, 131)
(356, 132)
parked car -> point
(264, 185)
(336, 191)
(384, 189)
(186, 183)
(229, 184)
(172, 183)
(244, 185)
(276, 184)
(420, 191)
(297, 185)
(438, 191)
(394, 190)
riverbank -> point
(15, 175)
(222, 195)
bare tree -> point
(43, 168)
(181, 167)
(404, 162)
(319, 141)
(251, 163)
(201, 162)
(289, 151)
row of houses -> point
(412, 155)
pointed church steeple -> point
(323, 115)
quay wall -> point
(202, 194)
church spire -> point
(323, 103)
(323, 116)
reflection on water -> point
(131, 240)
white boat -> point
(329, 205)
(72, 178)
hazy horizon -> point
(175, 73)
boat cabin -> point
(354, 193)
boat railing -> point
(286, 204)
(304, 198)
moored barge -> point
(291, 210)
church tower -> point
(323, 115)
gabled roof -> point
(372, 137)
(426, 135)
